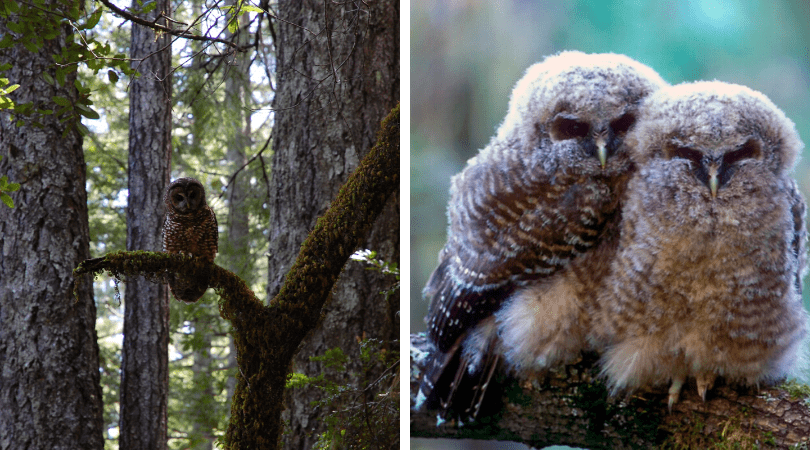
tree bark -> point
(144, 366)
(570, 406)
(50, 395)
(338, 77)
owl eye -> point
(563, 128)
(686, 153)
(623, 123)
(178, 198)
(751, 149)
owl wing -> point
(510, 223)
(210, 235)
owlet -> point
(707, 277)
(543, 193)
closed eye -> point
(686, 153)
(623, 123)
(751, 149)
(563, 128)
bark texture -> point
(570, 406)
(144, 366)
(338, 77)
(50, 395)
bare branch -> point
(183, 34)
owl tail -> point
(188, 291)
(455, 385)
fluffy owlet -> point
(190, 228)
(707, 276)
(540, 195)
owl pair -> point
(655, 224)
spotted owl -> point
(190, 228)
(706, 281)
(542, 194)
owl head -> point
(713, 142)
(184, 196)
(580, 106)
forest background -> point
(466, 57)
(319, 77)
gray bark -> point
(50, 395)
(144, 366)
(323, 126)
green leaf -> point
(87, 112)
(30, 46)
(14, 27)
(251, 8)
(233, 25)
(7, 200)
(92, 21)
(61, 101)
(7, 41)
(11, 187)
(82, 129)
(149, 7)
(5, 66)
(113, 76)
(10, 89)
(48, 78)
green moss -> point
(796, 390)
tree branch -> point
(183, 34)
(570, 406)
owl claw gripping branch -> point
(190, 228)
(656, 225)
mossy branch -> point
(570, 406)
(267, 337)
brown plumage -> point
(539, 196)
(706, 281)
(190, 228)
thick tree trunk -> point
(144, 366)
(334, 88)
(50, 395)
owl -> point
(190, 228)
(706, 280)
(542, 194)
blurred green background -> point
(466, 56)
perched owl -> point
(543, 193)
(706, 280)
(190, 228)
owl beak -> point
(713, 169)
(601, 152)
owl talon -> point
(674, 391)
(704, 383)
